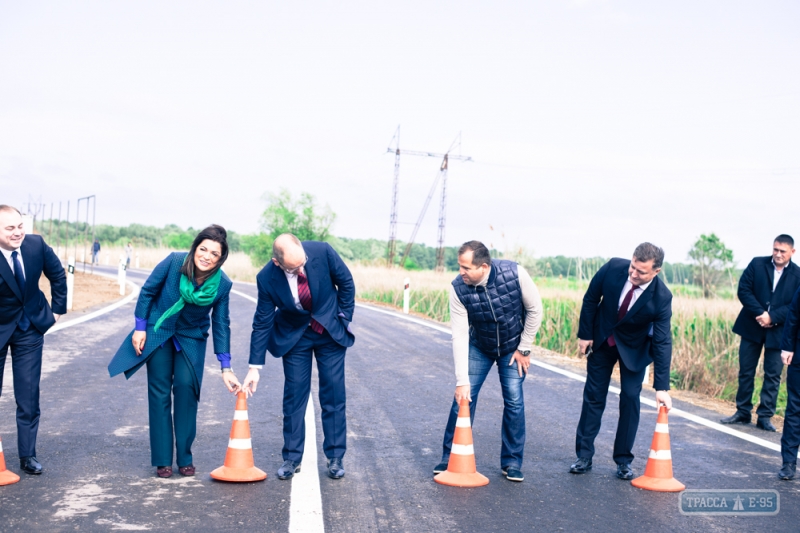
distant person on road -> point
(25, 316)
(172, 321)
(128, 255)
(306, 298)
(790, 341)
(625, 318)
(96, 252)
(765, 290)
(495, 312)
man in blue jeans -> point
(495, 312)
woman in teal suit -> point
(172, 321)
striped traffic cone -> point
(6, 476)
(239, 465)
(461, 470)
(658, 472)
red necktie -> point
(304, 295)
(623, 310)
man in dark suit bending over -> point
(306, 298)
(765, 290)
(25, 316)
(625, 317)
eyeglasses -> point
(292, 270)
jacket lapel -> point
(642, 300)
(619, 284)
(770, 273)
(281, 286)
(312, 268)
(8, 277)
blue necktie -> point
(19, 274)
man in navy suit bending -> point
(25, 316)
(625, 317)
(306, 298)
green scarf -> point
(203, 296)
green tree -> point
(302, 217)
(712, 262)
(258, 247)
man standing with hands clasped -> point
(306, 298)
(765, 290)
(25, 316)
(495, 312)
(625, 318)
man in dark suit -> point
(306, 298)
(765, 290)
(625, 317)
(25, 316)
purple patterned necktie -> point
(304, 295)
(623, 310)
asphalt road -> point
(93, 443)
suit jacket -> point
(643, 336)
(38, 258)
(755, 293)
(278, 324)
(190, 326)
(790, 337)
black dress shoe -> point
(624, 471)
(288, 469)
(441, 467)
(765, 424)
(788, 471)
(335, 468)
(581, 466)
(736, 418)
(30, 465)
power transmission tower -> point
(441, 175)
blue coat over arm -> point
(190, 327)
(278, 324)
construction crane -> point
(440, 176)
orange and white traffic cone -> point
(658, 472)
(239, 465)
(6, 477)
(461, 470)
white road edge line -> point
(305, 504)
(674, 411)
(116, 305)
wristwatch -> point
(525, 353)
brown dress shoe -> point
(164, 471)
(186, 470)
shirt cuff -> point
(224, 360)
(141, 324)
(259, 367)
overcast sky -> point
(594, 125)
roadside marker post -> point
(137, 260)
(108, 258)
(70, 281)
(406, 294)
(121, 275)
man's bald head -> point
(287, 251)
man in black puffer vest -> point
(495, 312)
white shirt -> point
(636, 293)
(7, 255)
(777, 277)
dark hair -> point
(212, 233)
(480, 253)
(785, 239)
(646, 251)
(4, 207)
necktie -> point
(623, 310)
(19, 274)
(304, 295)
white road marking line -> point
(305, 504)
(116, 305)
(646, 401)
(305, 509)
